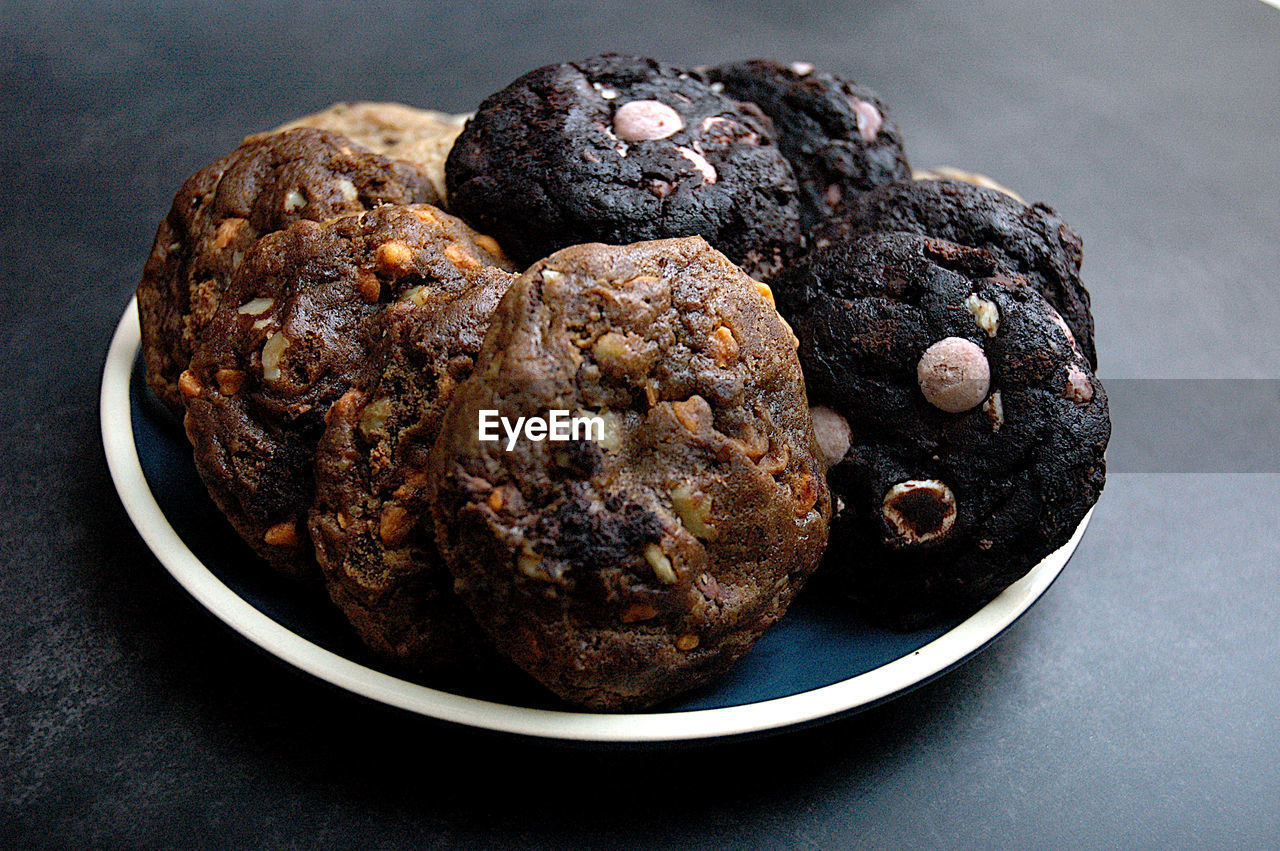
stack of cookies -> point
(788, 355)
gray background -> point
(1135, 704)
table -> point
(1136, 704)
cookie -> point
(396, 131)
(838, 136)
(946, 172)
(619, 149)
(296, 326)
(1031, 240)
(965, 428)
(268, 182)
(369, 524)
(642, 558)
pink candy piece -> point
(645, 120)
(1079, 388)
(954, 374)
(700, 163)
(832, 431)
(869, 119)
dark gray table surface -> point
(1137, 704)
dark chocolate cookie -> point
(642, 558)
(966, 428)
(295, 328)
(618, 149)
(271, 180)
(1031, 240)
(372, 536)
(837, 135)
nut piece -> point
(638, 612)
(954, 374)
(693, 507)
(256, 307)
(994, 409)
(1062, 323)
(283, 534)
(188, 385)
(918, 511)
(227, 230)
(644, 120)
(694, 414)
(985, 313)
(293, 201)
(833, 433)
(272, 351)
(1079, 389)
(394, 258)
(369, 287)
(347, 190)
(394, 526)
(687, 642)
(709, 174)
(724, 346)
(373, 418)
(661, 564)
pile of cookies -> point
(799, 357)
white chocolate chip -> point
(347, 190)
(869, 119)
(271, 354)
(646, 120)
(954, 375)
(694, 510)
(293, 200)
(802, 69)
(833, 433)
(551, 276)
(985, 313)
(256, 307)
(661, 564)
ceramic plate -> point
(817, 663)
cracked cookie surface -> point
(269, 182)
(838, 136)
(1031, 240)
(627, 569)
(296, 327)
(619, 149)
(975, 428)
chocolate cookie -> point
(268, 182)
(396, 131)
(295, 328)
(372, 536)
(966, 429)
(837, 135)
(618, 149)
(1031, 240)
(645, 556)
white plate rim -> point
(860, 691)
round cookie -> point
(837, 135)
(395, 130)
(268, 182)
(618, 149)
(295, 328)
(622, 570)
(370, 527)
(976, 430)
(1031, 240)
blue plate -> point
(819, 661)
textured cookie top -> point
(295, 329)
(269, 182)
(618, 149)
(623, 569)
(395, 130)
(837, 135)
(372, 535)
(1031, 240)
(976, 427)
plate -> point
(816, 664)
